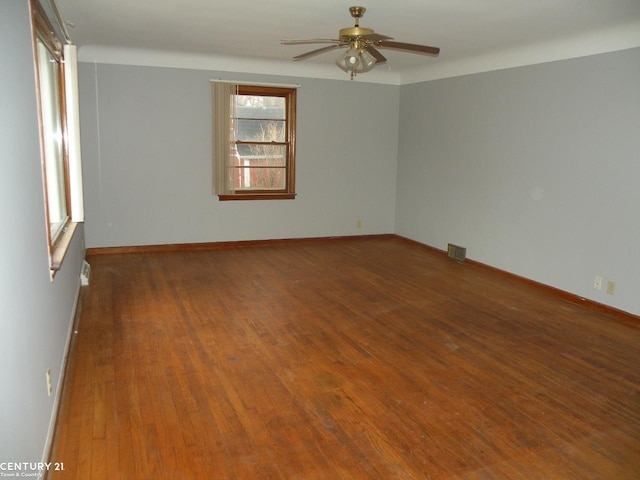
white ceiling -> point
(244, 35)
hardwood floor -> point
(347, 359)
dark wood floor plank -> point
(356, 359)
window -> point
(253, 141)
(57, 101)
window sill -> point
(257, 196)
(59, 249)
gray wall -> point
(146, 140)
(533, 169)
(35, 313)
(536, 170)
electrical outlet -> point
(359, 223)
(49, 386)
(611, 287)
(597, 283)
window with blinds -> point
(253, 141)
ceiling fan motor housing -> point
(355, 32)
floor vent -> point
(456, 252)
(85, 273)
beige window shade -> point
(253, 141)
(73, 132)
(223, 137)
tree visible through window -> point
(260, 158)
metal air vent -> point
(456, 252)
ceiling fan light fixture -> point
(367, 61)
(355, 61)
(348, 60)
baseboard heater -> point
(456, 253)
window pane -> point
(252, 106)
(49, 73)
(259, 178)
(262, 155)
(260, 130)
(260, 167)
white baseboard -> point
(63, 370)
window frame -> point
(58, 242)
(288, 193)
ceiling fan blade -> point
(408, 47)
(310, 40)
(376, 37)
(376, 54)
(317, 52)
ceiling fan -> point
(363, 44)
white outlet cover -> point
(597, 283)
